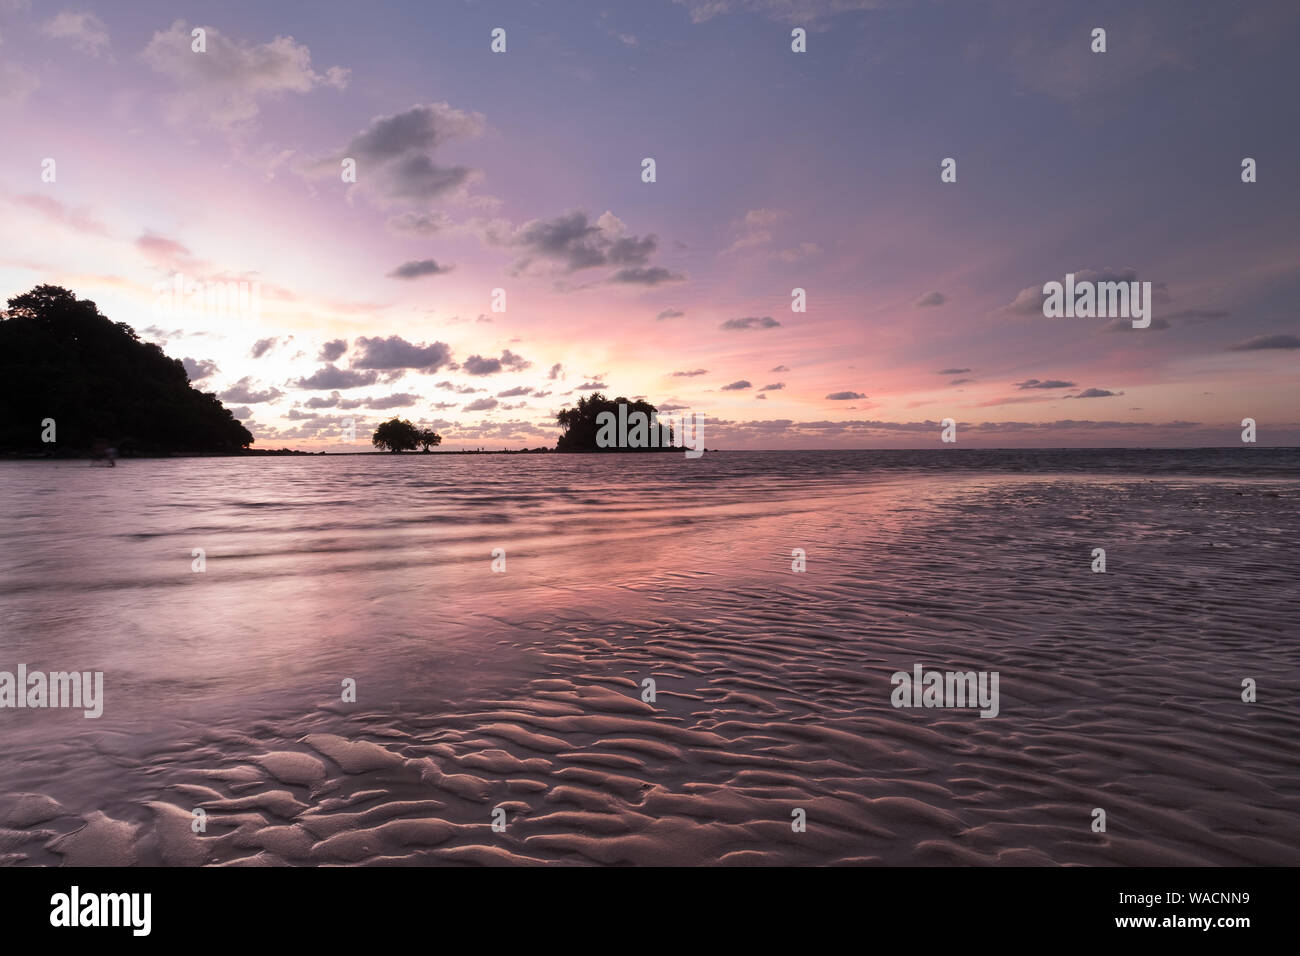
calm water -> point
(379, 569)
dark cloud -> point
(691, 374)
(478, 365)
(199, 369)
(737, 386)
(651, 275)
(845, 396)
(515, 392)
(930, 299)
(557, 370)
(416, 268)
(774, 387)
(333, 350)
(335, 400)
(481, 405)
(262, 346)
(399, 400)
(670, 314)
(395, 352)
(393, 152)
(330, 376)
(590, 386)
(244, 392)
(951, 371)
(1277, 341)
(1049, 383)
(751, 322)
(1094, 393)
(779, 368)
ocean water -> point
(524, 690)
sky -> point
(521, 172)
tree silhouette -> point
(580, 425)
(429, 437)
(61, 359)
(396, 434)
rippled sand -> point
(521, 692)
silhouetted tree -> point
(61, 359)
(580, 423)
(396, 434)
(429, 437)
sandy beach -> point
(517, 696)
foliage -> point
(396, 435)
(61, 359)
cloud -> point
(515, 392)
(16, 84)
(646, 275)
(241, 412)
(1277, 341)
(395, 352)
(1126, 325)
(330, 376)
(952, 371)
(1050, 383)
(930, 299)
(691, 374)
(262, 346)
(199, 369)
(398, 400)
(557, 371)
(797, 12)
(227, 84)
(961, 381)
(670, 314)
(590, 386)
(78, 219)
(478, 365)
(416, 268)
(737, 386)
(418, 224)
(515, 363)
(1029, 301)
(168, 254)
(779, 368)
(85, 31)
(245, 392)
(1094, 393)
(573, 243)
(774, 387)
(751, 322)
(845, 396)
(333, 350)
(482, 405)
(335, 400)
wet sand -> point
(521, 692)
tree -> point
(60, 358)
(429, 437)
(581, 424)
(396, 435)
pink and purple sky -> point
(775, 170)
